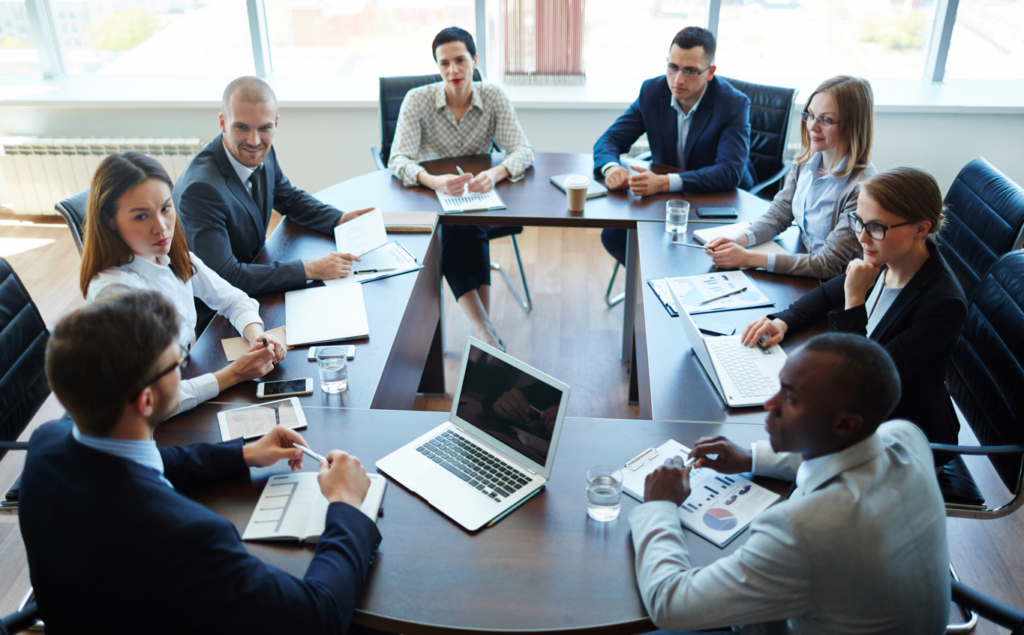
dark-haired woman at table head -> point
(820, 191)
(457, 117)
(900, 294)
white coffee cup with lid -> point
(576, 191)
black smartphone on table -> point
(717, 212)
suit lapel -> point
(909, 295)
(701, 119)
(668, 139)
(236, 187)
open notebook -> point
(291, 507)
(704, 236)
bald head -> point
(250, 90)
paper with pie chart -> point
(692, 290)
(720, 506)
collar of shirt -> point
(807, 468)
(679, 108)
(242, 171)
(147, 268)
(142, 452)
(817, 162)
(441, 101)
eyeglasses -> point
(822, 121)
(689, 71)
(875, 230)
(182, 362)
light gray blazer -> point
(841, 245)
(860, 548)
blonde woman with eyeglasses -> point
(820, 191)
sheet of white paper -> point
(692, 290)
(388, 260)
(470, 201)
(362, 234)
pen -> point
(266, 344)
(726, 295)
(376, 270)
(310, 453)
(460, 170)
(695, 245)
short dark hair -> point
(98, 357)
(453, 34)
(870, 385)
(693, 36)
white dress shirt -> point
(879, 301)
(243, 172)
(144, 275)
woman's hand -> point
(483, 182)
(453, 184)
(255, 334)
(860, 277)
(774, 329)
(255, 362)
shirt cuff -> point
(753, 457)
(410, 173)
(675, 183)
(771, 263)
(245, 319)
(608, 166)
(751, 238)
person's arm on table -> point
(510, 137)
(618, 139)
(731, 160)
(841, 246)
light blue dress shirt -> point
(683, 121)
(142, 452)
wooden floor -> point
(570, 334)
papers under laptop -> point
(742, 375)
(498, 446)
(367, 238)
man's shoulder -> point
(726, 94)
(655, 87)
(203, 168)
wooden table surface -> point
(545, 567)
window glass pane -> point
(822, 38)
(369, 38)
(17, 51)
(988, 40)
(154, 37)
(610, 56)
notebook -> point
(325, 314)
(594, 190)
(704, 236)
(292, 507)
(409, 222)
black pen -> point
(375, 270)
(267, 345)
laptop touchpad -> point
(437, 486)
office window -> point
(17, 50)
(823, 38)
(154, 37)
(629, 42)
(988, 40)
(364, 38)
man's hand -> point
(513, 406)
(333, 265)
(860, 277)
(342, 479)
(671, 482)
(732, 459)
(275, 446)
(347, 216)
(645, 182)
(616, 177)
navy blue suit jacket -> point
(717, 148)
(227, 231)
(109, 543)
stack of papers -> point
(695, 291)
(470, 202)
(367, 238)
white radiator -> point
(39, 173)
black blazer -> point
(108, 542)
(226, 230)
(919, 331)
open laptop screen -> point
(509, 404)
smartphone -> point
(711, 327)
(717, 212)
(285, 388)
(311, 356)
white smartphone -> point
(311, 355)
(284, 388)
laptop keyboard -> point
(740, 363)
(480, 469)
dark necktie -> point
(257, 194)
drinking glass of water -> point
(604, 492)
(677, 216)
(333, 364)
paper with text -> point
(470, 201)
(361, 235)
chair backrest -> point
(73, 211)
(771, 110)
(986, 370)
(23, 337)
(984, 219)
(392, 93)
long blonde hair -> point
(103, 247)
(856, 103)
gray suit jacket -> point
(861, 548)
(841, 245)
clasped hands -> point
(455, 184)
(671, 482)
(643, 183)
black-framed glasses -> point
(182, 362)
(822, 121)
(689, 71)
(875, 230)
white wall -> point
(320, 146)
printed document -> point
(470, 202)
(693, 290)
(361, 235)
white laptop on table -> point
(744, 376)
(498, 446)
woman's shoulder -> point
(110, 281)
(492, 95)
(423, 94)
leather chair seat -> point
(958, 486)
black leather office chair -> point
(975, 605)
(392, 93)
(73, 211)
(985, 219)
(19, 621)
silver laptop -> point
(744, 376)
(498, 446)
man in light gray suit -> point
(859, 546)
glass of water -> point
(604, 492)
(677, 216)
(333, 364)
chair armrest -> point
(13, 445)
(991, 610)
(22, 620)
(983, 450)
(375, 151)
(773, 178)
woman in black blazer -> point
(901, 294)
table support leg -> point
(432, 380)
(632, 251)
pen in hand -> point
(267, 345)
(310, 453)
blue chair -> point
(984, 220)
